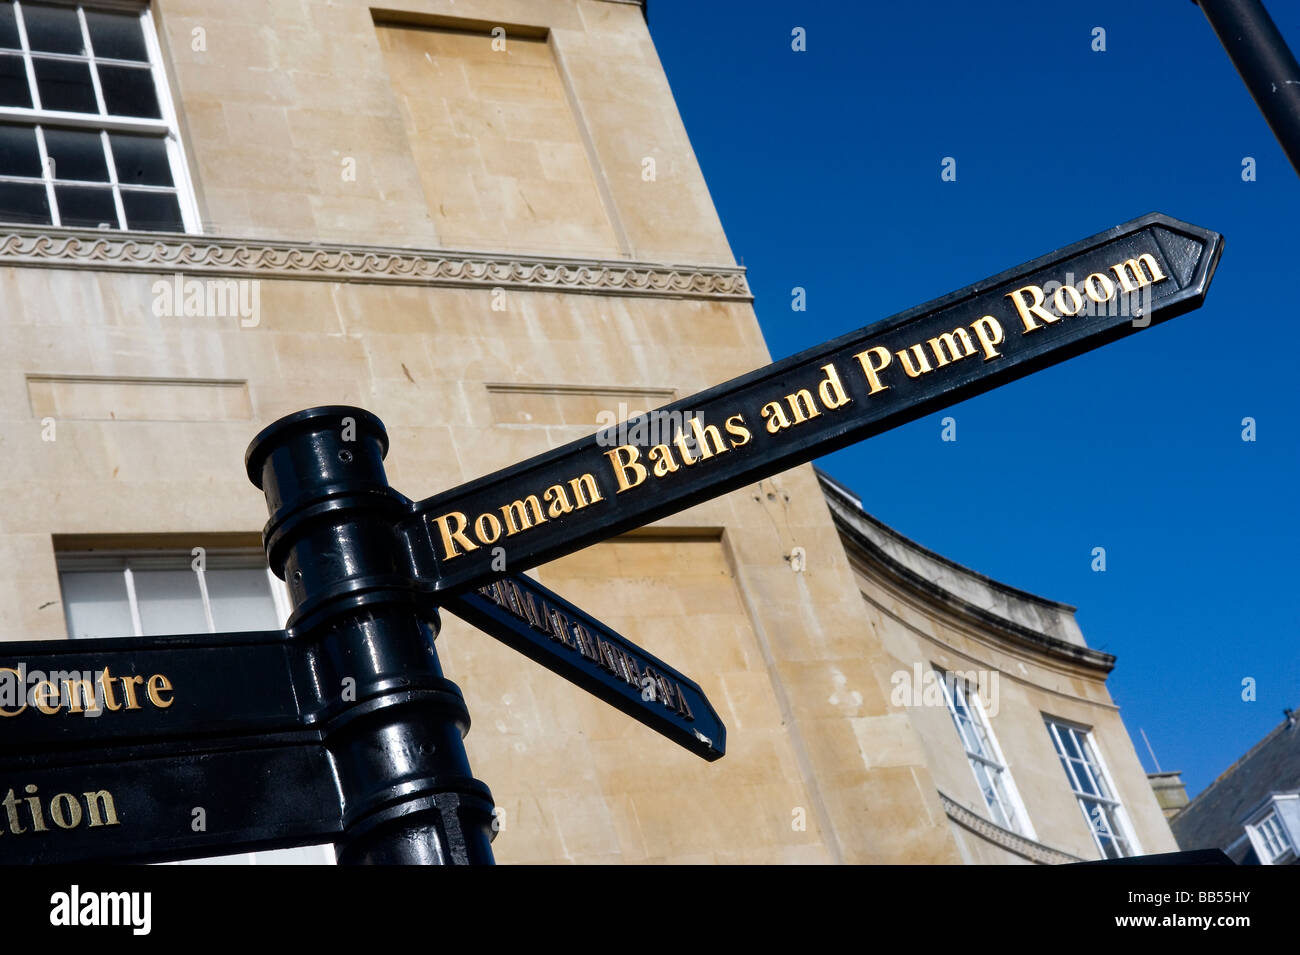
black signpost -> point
(343, 727)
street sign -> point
(862, 384)
(546, 628)
(159, 748)
(343, 726)
(163, 802)
(72, 693)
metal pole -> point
(1265, 63)
(392, 723)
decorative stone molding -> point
(993, 607)
(325, 262)
(1011, 841)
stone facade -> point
(488, 248)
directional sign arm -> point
(166, 802)
(72, 693)
(545, 627)
(862, 384)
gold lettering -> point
(912, 371)
(10, 802)
(551, 625)
(624, 458)
(509, 591)
(81, 692)
(739, 433)
(774, 414)
(802, 405)
(683, 708)
(611, 658)
(871, 369)
(665, 464)
(61, 815)
(1060, 304)
(34, 807)
(487, 528)
(830, 390)
(633, 670)
(586, 644)
(158, 685)
(1106, 284)
(531, 613)
(129, 683)
(667, 696)
(709, 433)
(561, 629)
(42, 692)
(1028, 310)
(106, 684)
(1139, 276)
(946, 345)
(989, 332)
(683, 449)
(585, 490)
(104, 798)
(516, 514)
(557, 501)
(453, 536)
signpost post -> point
(343, 726)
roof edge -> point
(845, 492)
(841, 499)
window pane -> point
(14, 90)
(8, 27)
(140, 160)
(153, 212)
(76, 154)
(19, 154)
(241, 600)
(169, 602)
(86, 206)
(116, 36)
(128, 91)
(24, 202)
(1085, 778)
(53, 29)
(1067, 741)
(95, 604)
(65, 85)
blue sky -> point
(825, 169)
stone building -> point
(483, 221)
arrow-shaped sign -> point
(867, 382)
(546, 628)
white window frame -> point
(1123, 829)
(994, 763)
(1269, 833)
(167, 128)
(128, 561)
